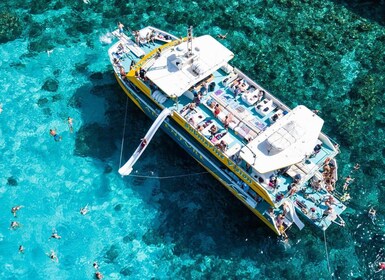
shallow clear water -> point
(322, 54)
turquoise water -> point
(327, 55)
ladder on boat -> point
(127, 167)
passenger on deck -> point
(217, 110)
(292, 189)
(271, 212)
(330, 201)
(116, 62)
(316, 150)
(227, 120)
(317, 185)
(158, 53)
(213, 129)
(222, 145)
(122, 72)
(329, 186)
(197, 99)
(132, 64)
(120, 27)
(273, 181)
(280, 220)
(327, 212)
(200, 127)
(142, 73)
(136, 35)
(248, 167)
(297, 178)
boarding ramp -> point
(127, 167)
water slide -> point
(127, 167)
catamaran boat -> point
(274, 159)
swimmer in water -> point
(55, 136)
(98, 275)
(21, 249)
(52, 255)
(84, 210)
(70, 124)
(14, 225)
(95, 265)
(372, 214)
(15, 209)
(381, 267)
(55, 235)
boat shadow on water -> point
(194, 211)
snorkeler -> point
(15, 209)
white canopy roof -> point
(286, 142)
(174, 73)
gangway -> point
(127, 167)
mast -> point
(189, 41)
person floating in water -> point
(52, 255)
(95, 265)
(14, 225)
(1, 108)
(70, 124)
(98, 275)
(221, 36)
(55, 136)
(372, 214)
(21, 249)
(348, 181)
(84, 210)
(55, 235)
(15, 209)
(381, 267)
(356, 166)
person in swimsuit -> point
(70, 124)
(21, 249)
(381, 267)
(120, 27)
(15, 209)
(55, 136)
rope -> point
(327, 255)
(167, 177)
(124, 133)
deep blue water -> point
(327, 55)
